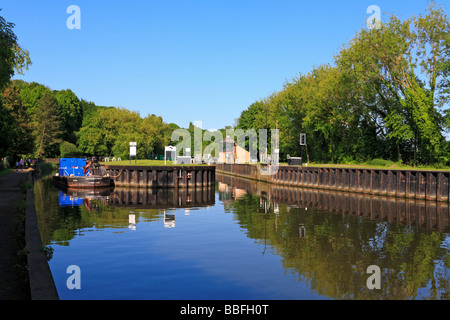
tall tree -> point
(31, 94)
(20, 132)
(153, 135)
(48, 126)
(6, 126)
(398, 69)
(13, 59)
(72, 110)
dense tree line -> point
(54, 123)
(384, 96)
(108, 131)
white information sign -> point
(133, 146)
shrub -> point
(380, 162)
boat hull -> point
(92, 182)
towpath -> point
(10, 197)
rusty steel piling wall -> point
(162, 176)
(431, 215)
(416, 184)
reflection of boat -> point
(76, 173)
(99, 193)
(66, 200)
(73, 197)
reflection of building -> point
(232, 152)
(234, 192)
(265, 206)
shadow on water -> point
(324, 239)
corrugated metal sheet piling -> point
(417, 184)
(162, 176)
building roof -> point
(228, 140)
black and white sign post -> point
(133, 146)
(302, 143)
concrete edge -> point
(42, 285)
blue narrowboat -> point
(80, 173)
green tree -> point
(153, 134)
(247, 119)
(108, 131)
(396, 71)
(31, 94)
(48, 127)
(87, 109)
(72, 111)
(13, 58)
(383, 97)
(6, 126)
(19, 132)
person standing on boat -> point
(86, 168)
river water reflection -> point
(243, 240)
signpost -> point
(302, 143)
(171, 152)
(133, 146)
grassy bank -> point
(145, 163)
(381, 164)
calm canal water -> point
(243, 240)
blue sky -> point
(191, 60)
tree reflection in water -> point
(329, 239)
